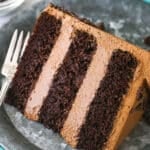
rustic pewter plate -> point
(125, 18)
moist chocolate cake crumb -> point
(36, 54)
(98, 124)
(147, 40)
(67, 81)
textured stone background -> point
(125, 18)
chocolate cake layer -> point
(98, 124)
(67, 81)
(44, 82)
(39, 47)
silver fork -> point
(14, 54)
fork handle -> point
(4, 90)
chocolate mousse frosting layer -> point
(98, 123)
(68, 80)
(45, 34)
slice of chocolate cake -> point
(80, 81)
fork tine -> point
(18, 48)
(11, 47)
(25, 44)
